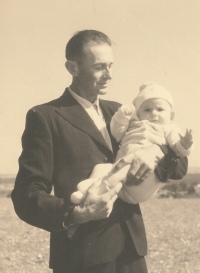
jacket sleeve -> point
(171, 166)
(31, 195)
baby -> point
(146, 122)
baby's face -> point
(156, 110)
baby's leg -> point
(111, 179)
(77, 196)
(139, 193)
(99, 171)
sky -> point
(154, 40)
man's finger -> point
(112, 192)
(132, 179)
(126, 160)
(110, 204)
(113, 199)
(119, 166)
(133, 157)
(139, 177)
(95, 185)
(135, 169)
(143, 177)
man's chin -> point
(103, 91)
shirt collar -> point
(85, 103)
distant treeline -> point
(7, 180)
(182, 188)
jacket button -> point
(105, 160)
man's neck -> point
(82, 93)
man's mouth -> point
(104, 84)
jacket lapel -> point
(107, 113)
(74, 113)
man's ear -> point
(172, 115)
(72, 67)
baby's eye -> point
(147, 110)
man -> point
(62, 142)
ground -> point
(172, 226)
(173, 232)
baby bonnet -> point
(151, 90)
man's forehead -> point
(95, 44)
(98, 51)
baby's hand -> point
(127, 109)
(187, 139)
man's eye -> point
(99, 67)
(160, 109)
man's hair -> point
(75, 46)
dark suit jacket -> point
(61, 146)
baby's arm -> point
(127, 109)
(181, 144)
(120, 121)
(187, 139)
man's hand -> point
(94, 206)
(142, 163)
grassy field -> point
(173, 232)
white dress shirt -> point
(94, 111)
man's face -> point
(156, 110)
(95, 70)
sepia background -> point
(154, 41)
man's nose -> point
(108, 73)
